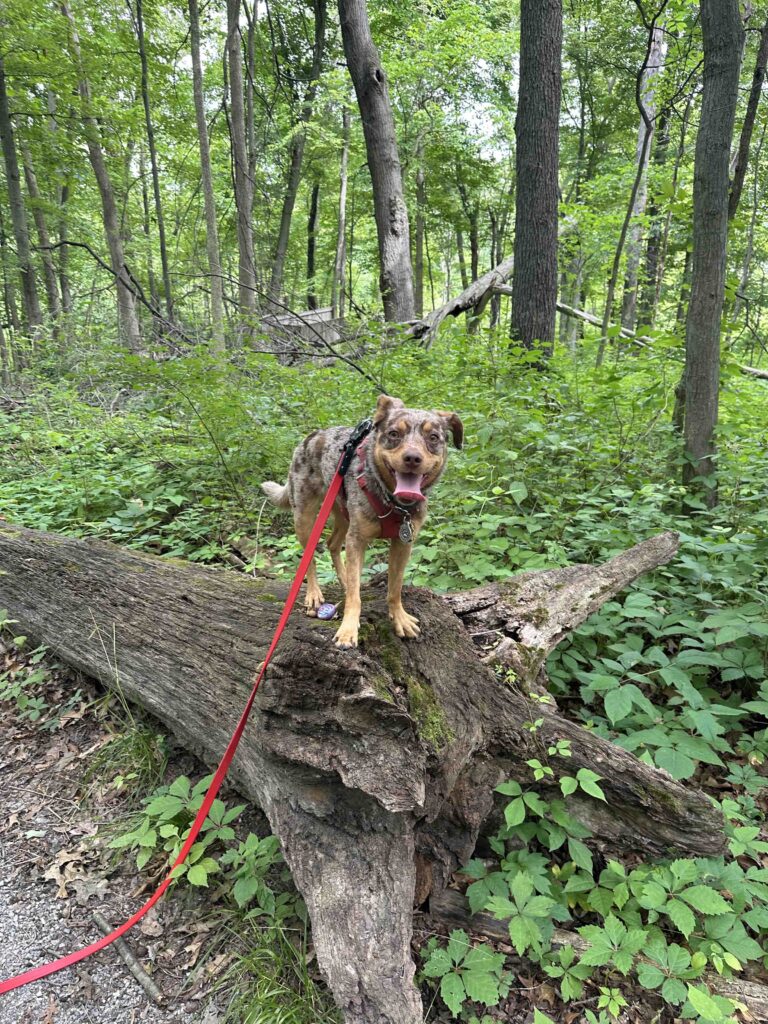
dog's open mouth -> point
(408, 486)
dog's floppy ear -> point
(383, 406)
(455, 426)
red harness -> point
(395, 521)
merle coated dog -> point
(385, 496)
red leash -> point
(322, 517)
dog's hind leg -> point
(405, 624)
(304, 520)
(336, 543)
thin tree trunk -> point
(742, 156)
(639, 176)
(462, 259)
(298, 146)
(534, 281)
(337, 283)
(643, 152)
(46, 255)
(62, 198)
(9, 292)
(153, 159)
(148, 232)
(723, 35)
(5, 359)
(252, 19)
(418, 266)
(32, 314)
(311, 246)
(209, 200)
(246, 273)
(746, 263)
(126, 302)
(391, 213)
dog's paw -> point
(405, 625)
(312, 601)
(346, 636)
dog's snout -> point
(412, 458)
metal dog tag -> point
(406, 531)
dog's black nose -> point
(412, 459)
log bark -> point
(367, 763)
(475, 297)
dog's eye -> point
(393, 435)
(434, 438)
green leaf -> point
(438, 964)
(649, 975)
(580, 854)
(453, 992)
(673, 991)
(568, 785)
(483, 958)
(704, 1004)
(680, 916)
(482, 987)
(618, 703)
(705, 900)
(458, 944)
(679, 765)
(514, 813)
(197, 875)
(588, 781)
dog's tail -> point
(277, 493)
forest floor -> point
(56, 871)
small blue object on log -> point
(326, 611)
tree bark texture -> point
(314, 203)
(209, 200)
(246, 273)
(723, 36)
(126, 302)
(534, 283)
(742, 155)
(32, 313)
(367, 763)
(298, 144)
(390, 210)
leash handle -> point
(322, 518)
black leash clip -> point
(361, 431)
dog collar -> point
(395, 518)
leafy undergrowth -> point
(569, 465)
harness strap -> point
(322, 517)
(390, 516)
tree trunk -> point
(211, 225)
(462, 258)
(312, 245)
(723, 35)
(534, 283)
(337, 283)
(5, 359)
(298, 145)
(153, 160)
(62, 198)
(365, 762)
(126, 302)
(391, 213)
(418, 264)
(742, 156)
(41, 225)
(246, 273)
(148, 232)
(32, 314)
(472, 300)
(643, 153)
(749, 249)
(636, 187)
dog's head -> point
(410, 447)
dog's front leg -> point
(405, 624)
(346, 635)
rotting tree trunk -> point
(390, 211)
(367, 763)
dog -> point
(384, 495)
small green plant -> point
(466, 972)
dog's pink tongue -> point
(408, 486)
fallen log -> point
(368, 763)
